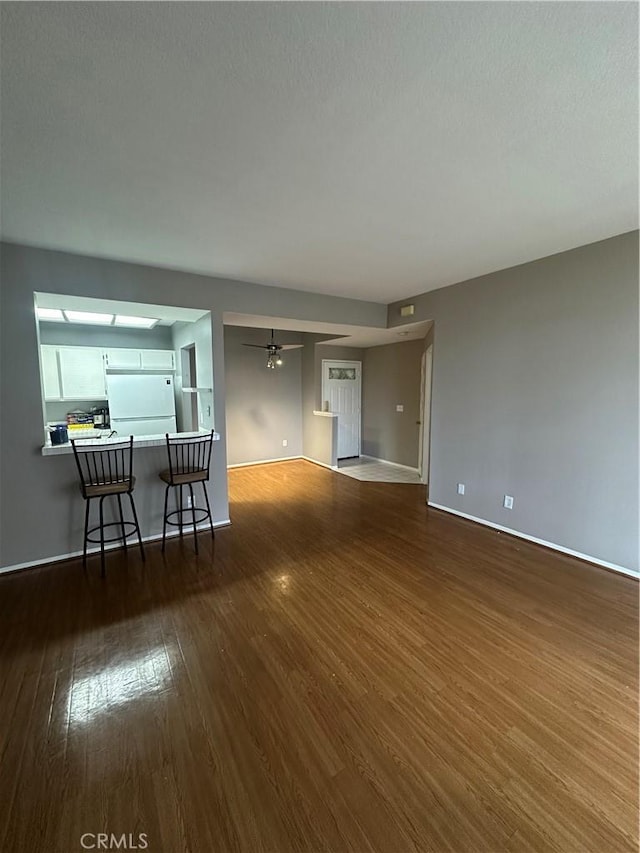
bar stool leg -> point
(164, 520)
(180, 508)
(124, 537)
(86, 533)
(206, 500)
(135, 518)
(193, 516)
(102, 566)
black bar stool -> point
(104, 472)
(189, 461)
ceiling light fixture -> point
(273, 351)
(54, 314)
(135, 322)
(89, 317)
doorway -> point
(189, 385)
(425, 415)
(341, 394)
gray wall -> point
(390, 376)
(535, 394)
(322, 441)
(48, 493)
(310, 438)
(319, 434)
(62, 334)
(263, 406)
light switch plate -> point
(399, 408)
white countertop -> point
(159, 440)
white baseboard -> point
(132, 543)
(317, 462)
(263, 462)
(389, 462)
(587, 557)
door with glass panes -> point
(341, 392)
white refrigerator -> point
(141, 405)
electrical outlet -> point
(461, 488)
(285, 443)
(508, 502)
(399, 408)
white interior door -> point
(425, 415)
(341, 392)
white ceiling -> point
(373, 150)
(347, 335)
(166, 314)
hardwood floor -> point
(346, 670)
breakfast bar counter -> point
(66, 513)
(139, 441)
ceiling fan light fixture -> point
(273, 351)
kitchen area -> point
(110, 370)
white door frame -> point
(345, 362)
(425, 415)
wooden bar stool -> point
(189, 461)
(105, 472)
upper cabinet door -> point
(157, 359)
(122, 359)
(82, 373)
(50, 373)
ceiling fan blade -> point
(274, 347)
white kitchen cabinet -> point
(157, 359)
(123, 359)
(50, 372)
(139, 359)
(82, 373)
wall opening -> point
(190, 380)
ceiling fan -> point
(273, 350)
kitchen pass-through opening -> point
(113, 368)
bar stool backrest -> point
(104, 466)
(189, 455)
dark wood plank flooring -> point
(345, 670)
